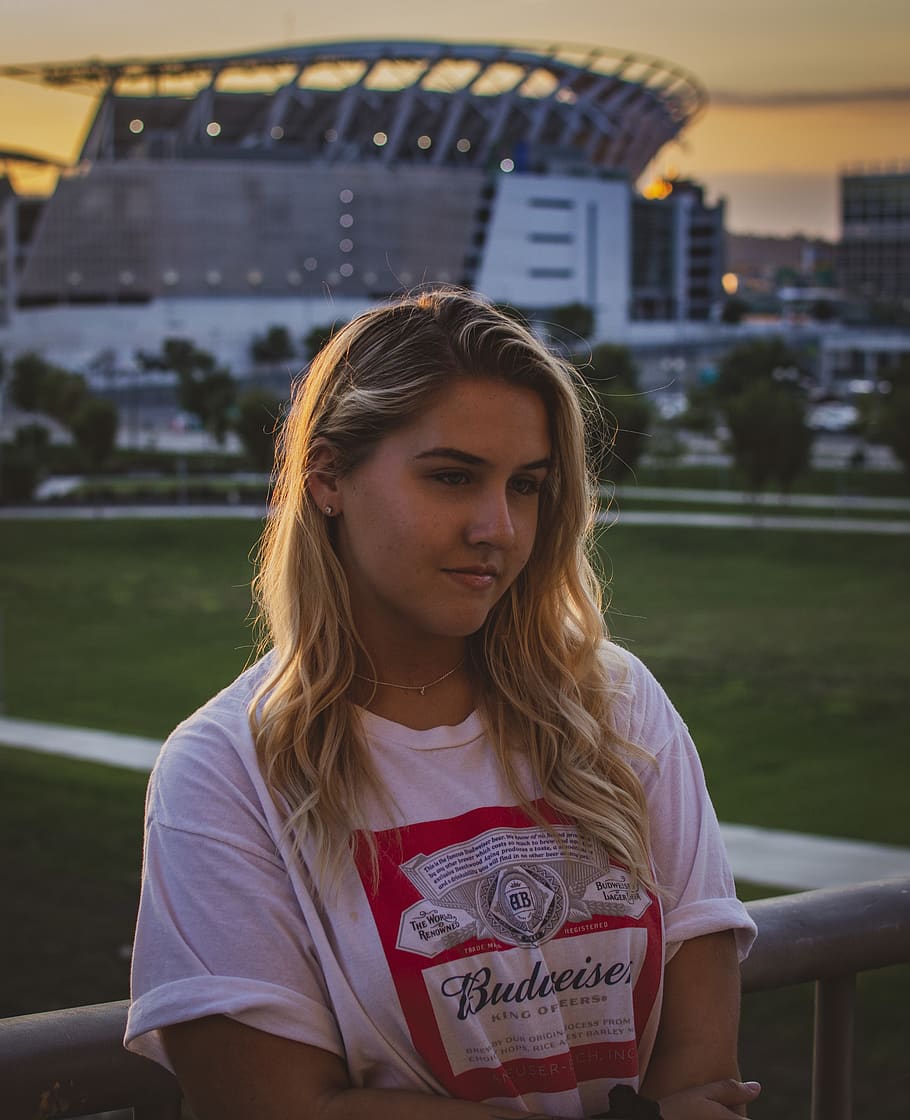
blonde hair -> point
(546, 678)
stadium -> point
(208, 188)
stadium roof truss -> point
(439, 104)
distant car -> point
(833, 416)
(186, 422)
(670, 405)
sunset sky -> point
(798, 89)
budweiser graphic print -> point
(523, 963)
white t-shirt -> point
(489, 962)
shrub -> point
(22, 463)
(620, 433)
(769, 436)
(94, 428)
(257, 421)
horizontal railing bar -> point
(817, 935)
(72, 1062)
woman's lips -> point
(477, 579)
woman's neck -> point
(418, 700)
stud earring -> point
(329, 510)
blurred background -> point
(706, 208)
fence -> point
(71, 1063)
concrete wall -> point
(76, 336)
(192, 228)
(555, 240)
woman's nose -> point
(492, 521)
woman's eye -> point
(451, 478)
(526, 485)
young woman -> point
(445, 851)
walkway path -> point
(753, 517)
(791, 860)
(842, 503)
(761, 521)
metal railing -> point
(829, 936)
(71, 1063)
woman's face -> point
(440, 519)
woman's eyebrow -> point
(476, 460)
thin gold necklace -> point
(421, 688)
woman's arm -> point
(694, 1070)
(229, 1071)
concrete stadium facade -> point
(335, 175)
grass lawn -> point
(70, 854)
(124, 625)
(786, 652)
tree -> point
(823, 310)
(21, 464)
(205, 390)
(621, 430)
(28, 371)
(895, 425)
(179, 355)
(757, 360)
(733, 310)
(612, 362)
(898, 376)
(666, 451)
(257, 422)
(894, 412)
(212, 397)
(761, 391)
(701, 410)
(25, 385)
(62, 394)
(40, 386)
(514, 313)
(94, 428)
(316, 338)
(769, 436)
(272, 347)
(571, 323)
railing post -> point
(832, 1066)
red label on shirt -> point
(523, 963)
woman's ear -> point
(322, 477)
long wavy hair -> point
(545, 676)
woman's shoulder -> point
(210, 757)
(641, 711)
